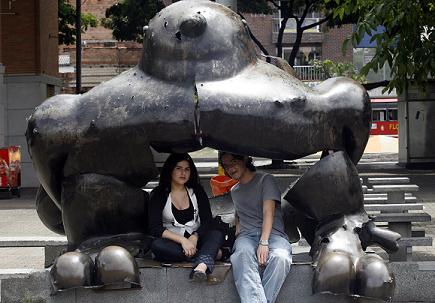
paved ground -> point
(18, 216)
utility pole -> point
(78, 47)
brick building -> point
(28, 69)
(102, 56)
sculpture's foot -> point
(342, 267)
(373, 279)
(71, 270)
(114, 268)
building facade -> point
(28, 69)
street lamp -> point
(78, 47)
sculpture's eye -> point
(193, 26)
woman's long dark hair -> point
(168, 167)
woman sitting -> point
(180, 218)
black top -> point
(157, 202)
(183, 215)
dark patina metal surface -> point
(201, 84)
(342, 230)
(73, 269)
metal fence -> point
(309, 73)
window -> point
(312, 17)
(379, 115)
(361, 56)
(392, 115)
(305, 56)
(50, 90)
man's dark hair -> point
(248, 160)
(168, 167)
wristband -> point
(264, 242)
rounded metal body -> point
(200, 84)
(72, 269)
(114, 264)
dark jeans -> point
(166, 250)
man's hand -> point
(189, 248)
(237, 229)
(262, 254)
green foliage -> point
(332, 69)
(408, 43)
(29, 298)
(67, 22)
(127, 18)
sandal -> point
(197, 276)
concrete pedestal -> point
(415, 282)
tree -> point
(407, 43)
(298, 10)
(67, 22)
(339, 69)
(127, 18)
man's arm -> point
(268, 215)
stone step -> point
(394, 188)
(389, 180)
(415, 241)
(384, 200)
(404, 217)
(393, 207)
(35, 241)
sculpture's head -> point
(198, 40)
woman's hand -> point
(194, 239)
(189, 248)
(262, 254)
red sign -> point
(10, 166)
(385, 128)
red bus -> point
(384, 117)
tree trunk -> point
(296, 44)
(280, 37)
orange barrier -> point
(221, 185)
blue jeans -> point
(166, 250)
(251, 285)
